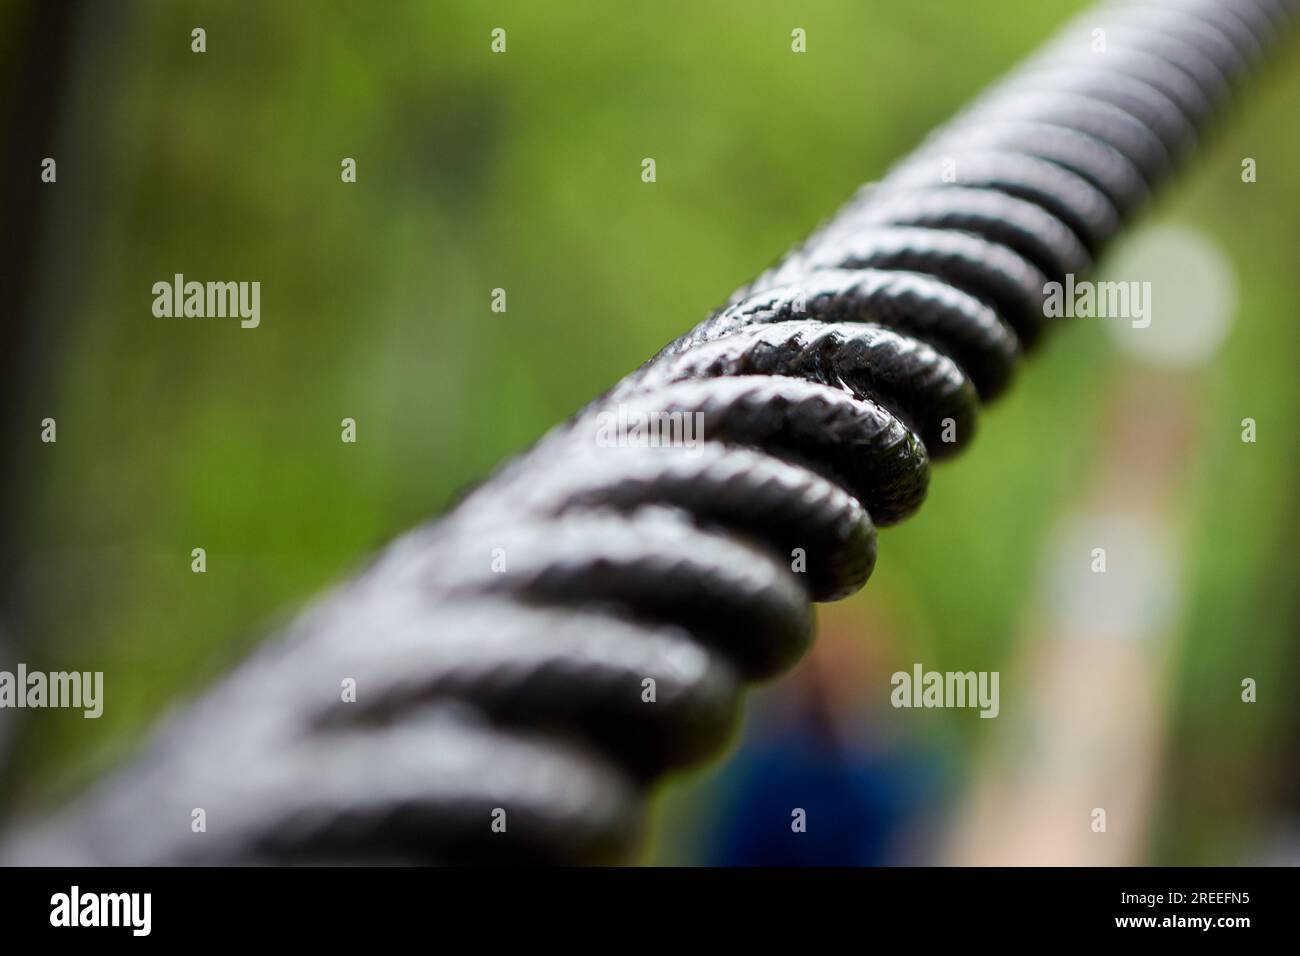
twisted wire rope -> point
(824, 390)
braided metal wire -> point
(499, 654)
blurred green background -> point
(522, 171)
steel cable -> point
(500, 655)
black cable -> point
(500, 655)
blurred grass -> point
(522, 171)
